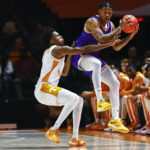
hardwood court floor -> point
(96, 140)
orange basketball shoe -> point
(53, 136)
(74, 142)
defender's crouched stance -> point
(47, 92)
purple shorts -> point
(75, 59)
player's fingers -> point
(128, 20)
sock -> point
(76, 118)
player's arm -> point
(67, 66)
(121, 43)
(92, 26)
(60, 51)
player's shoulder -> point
(93, 19)
(91, 24)
(123, 76)
(140, 74)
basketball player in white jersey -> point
(47, 91)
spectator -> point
(123, 64)
(26, 69)
(9, 27)
(14, 55)
(133, 57)
(6, 82)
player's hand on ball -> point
(135, 31)
(125, 22)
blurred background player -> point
(142, 97)
(99, 29)
(133, 96)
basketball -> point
(129, 28)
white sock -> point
(68, 107)
(76, 118)
(110, 79)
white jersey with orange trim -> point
(51, 68)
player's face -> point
(57, 38)
(105, 14)
(131, 72)
(124, 67)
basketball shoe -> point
(118, 126)
(74, 142)
(53, 136)
(102, 105)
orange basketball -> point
(129, 28)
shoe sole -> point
(52, 139)
(72, 145)
(117, 129)
(75, 145)
(104, 108)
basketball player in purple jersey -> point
(99, 29)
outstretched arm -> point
(92, 26)
(61, 51)
(119, 45)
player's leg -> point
(133, 114)
(95, 113)
(129, 110)
(76, 140)
(58, 97)
(91, 63)
(123, 109)
(109, 78)
(145, 103)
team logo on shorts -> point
(53, 90)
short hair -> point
(124, 60)
(105, 4)
(48, 36)
(49, 32)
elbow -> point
(64, 74)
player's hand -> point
(115, 39)
(133, 99)
(134, 92)
(140, 88)
(73, 44)
(124, 23)
(135, 31)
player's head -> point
(105, 11)
(123, 64)
(131, 71)
(54, 37)
(147, 60)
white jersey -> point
(51, 68)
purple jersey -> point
(88, 39)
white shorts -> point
(52, 95)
